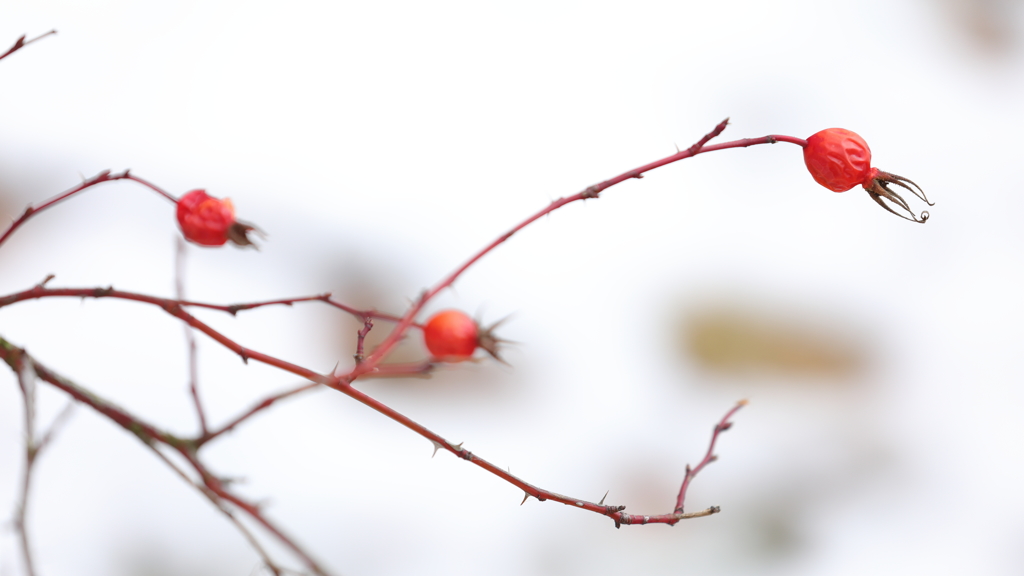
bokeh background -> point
(379, 144)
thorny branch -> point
(104, 176)
(368, 365)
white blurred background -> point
(379, 144)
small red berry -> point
(210, 221)
(839, 159)
(451, 336)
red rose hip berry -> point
(210, 221)
(839, 159)
(452, 336)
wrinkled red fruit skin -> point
(450, 335)
(204, 219)
(838, 159)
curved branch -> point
(100, 178)
(591, 192)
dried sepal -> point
(878, 188)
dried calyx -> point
(878, 188)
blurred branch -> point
(213, 486)
(190, 339)
(21, 43)
(33, 448)
(246, 533)
(27, 384)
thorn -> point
(525, 496)
(677, 148)
(458, 447)
(437, 446)
(601, 503)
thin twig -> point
(255, 409)
(710, 457)
(58, 423)
(361, 337)
(190, 339)
(27, 383)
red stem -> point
(104, 176)
(710, 457)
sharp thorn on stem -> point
(437, 446)
(601, 503)
(525, 496)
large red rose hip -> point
(839, 159)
